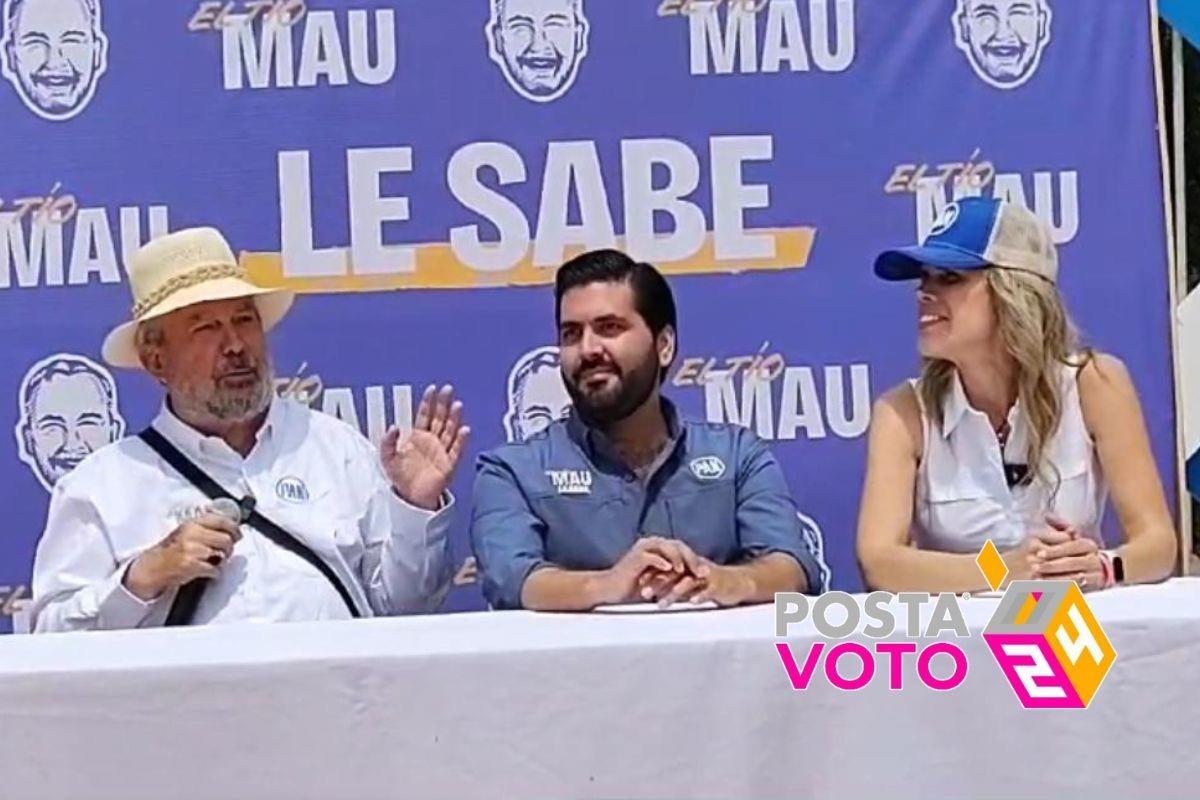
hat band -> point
(186, 280)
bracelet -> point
(1106, 569)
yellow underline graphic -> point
(437, 267)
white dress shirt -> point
(310, 473)
(962, 496)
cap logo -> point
(945, 220)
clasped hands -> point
(1058, 551)
(667, 571)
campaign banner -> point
(418, 169)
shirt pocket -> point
(177, 504)
(318, 524)
(1073, 498)
(704, 516)
(961, 514)
(585, 531)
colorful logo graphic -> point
(1043, 636)
(1045, 639)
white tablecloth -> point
(516, 705)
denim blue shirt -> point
(563, 498)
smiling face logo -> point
(53, 52)
(67, 407)
(1003, 39)
(538, 44)
(537, 396)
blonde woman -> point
(1012, 433)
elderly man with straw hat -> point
(236, 505)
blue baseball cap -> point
(977, 233)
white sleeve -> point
(406, 566)
(77, 581)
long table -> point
(527, 705)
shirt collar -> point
(593, 441)
(956, 406)
(184, 436)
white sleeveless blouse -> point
(962, 497)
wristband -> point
(1117, 563)
(1106, 570)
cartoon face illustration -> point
(68, 410)
(538, 44)
(536, 394)
(53, 52)
(1003, 39)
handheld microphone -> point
(187, 598)
(225, 507)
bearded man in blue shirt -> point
(623, 500)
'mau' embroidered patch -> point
(571, 481)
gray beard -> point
(239, 408)
(229, 406)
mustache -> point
(238, 366)
(595, 364)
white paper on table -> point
(653, 608)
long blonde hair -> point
(1039, 335)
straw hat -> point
(179, 270)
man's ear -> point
(153, 361)
(666, 346)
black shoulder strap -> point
(188, 596)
